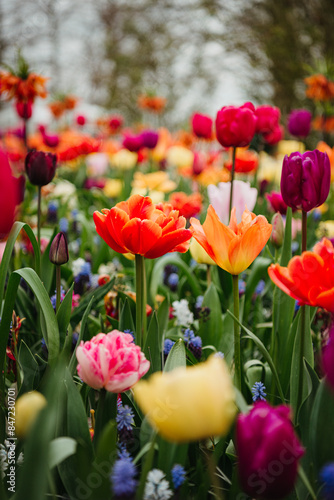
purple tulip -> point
(149, 138)
(59, 250)
(40, 167)
(299, 122)
(305, 180)
(268, 451)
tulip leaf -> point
(153, 345)
(97, 295)
(73, 362)
(64, 315)
(163, 316)
(258, 271)
(125, 317)
(106, 453)
(264, 352)
(59, 449)
(29, 368)
(8, 252)
(47, 268)
(307, 354)
(211, 329)
(321, 439)
(176, 356)
(157, 273)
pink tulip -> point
(111, 361)
(243, 195)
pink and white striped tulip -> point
(111, 361)
(243, 196)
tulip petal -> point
(140, 207)
(243, 250)
(280, 276)
(100, 221)
(116, 220)
(140, 236)
(168, 243)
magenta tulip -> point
(149, 139)
(202, 126)
(9, 196)
(305, 180)
(235, 126)
(299, 122)
(268, 451)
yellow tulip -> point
(157, 181)
(180, 156)
(113, 188)
(188, 404)
(27, 408)
(124, 159)
(199, 254)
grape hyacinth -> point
(178, 475)
(123, 476)
(258, 392)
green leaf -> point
(125, 317)
(264, 352)
(211, 330)
(258, 271)
(163, 316)
(321, 437)
(59, 449)
(96, 295)
(176, 356)
(158, 270)
(29, 368)
(296, 356)
(153, 345)
(64, 315)
(15, 231)
(48, 269)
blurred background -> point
(199, 54)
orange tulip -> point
(187, 205)
(232, 247)
(309, 278)
(138, 226)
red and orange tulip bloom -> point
(139, 227)
(309, 278)
(232, 247)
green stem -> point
(141, 319)
(217, 490)
(58, 286)
(234, 151)
(302, 321)
(39, 216)
(237, 356)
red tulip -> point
(235, 126)
(24, 109)
(267, 119)
(139, 227)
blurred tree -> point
(279, 41)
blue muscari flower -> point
(260, 287)
(294, 246)
(52, 206)
(53, 298)
(219, 354)
(123, 476)
(173, 280)
(178, 475)
(242, 287)
(168, 344)
(316, 215)
(75, 213)
(86, 269)
(297, 306)
(188, 335)
(196, 341)
(258, 392)
(124, 418)
(63, 225)
(327, 478)
(199, 301)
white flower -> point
(182, 313)
(243, 194)
(4, 457)
(157, 488)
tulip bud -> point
(299, 122)
(277, 234)
(149, 139)
(27, 409)
(267, 118)
(59, 250)
(268, 451)
(305, 180)
(40, 167)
